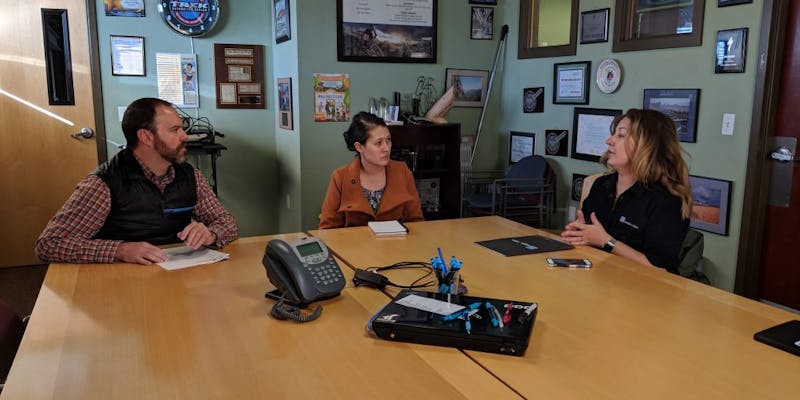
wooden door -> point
(780, 265)
(40, 162)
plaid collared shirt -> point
(68, 235)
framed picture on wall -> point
(555, 141)
(590, 129)
(571, 82)
(594, 26)
(533, 100)
(577, 186)
(710, 211)
(521, 145)
(680, 105)
(283, 22)
(380, 31)
(482, 23)
(127, 8)
(469, 86)
(487, 2)
(725, 3)
(285, 118)
(127, 55)
(730, 51)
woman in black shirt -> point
(640, 210)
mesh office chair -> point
(525, 192)
(11, 330)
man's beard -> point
(173, 156)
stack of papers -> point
(387, 228)
(184, 257)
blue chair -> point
(525, 192)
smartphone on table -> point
(569, 262)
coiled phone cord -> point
(283, 311)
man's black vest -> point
(139, 212)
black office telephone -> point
(303, 271)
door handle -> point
(85, 133)
(783, 154)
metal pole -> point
(503, 33)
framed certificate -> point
(127, 55)
(591, 127)
(571, 83)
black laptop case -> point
(785, 336)
(404, 324)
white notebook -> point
(388, 228)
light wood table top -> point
(122, 331)
(617, 331)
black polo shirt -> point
(645, 217)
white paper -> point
(384, 228)
(593, 130)
(177, 79)
(429, 305)
(184, 257)
(521, 147)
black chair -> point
(525, 192)
(11, 330)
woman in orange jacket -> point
(371, 187)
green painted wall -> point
(713, 155)
(248, 171)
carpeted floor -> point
(19, 287)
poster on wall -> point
(124, 8)
(239, 74)
(177, 79)
(331, 97)
(285, 103)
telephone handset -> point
(303, 271)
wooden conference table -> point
(126, 331)
(617, 331)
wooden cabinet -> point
(432, 152)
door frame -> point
(97, 86)
(756, 188)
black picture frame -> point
(481, 25)
(711, 209)
(726, 3)
(594, 26)
(125, 52)
(282, 20)
(359, 36)
(285, 115)
(485, 2)
(533, 100)
(730, 52)
(556, 142)
(590, 129)
(571, 82)
(681, 105)
(520, 145)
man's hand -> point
(197, 235)
(139, 253)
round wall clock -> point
(609, 75)
(189, 17)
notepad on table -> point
(387, 228)
(184, 256)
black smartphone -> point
(569, 262)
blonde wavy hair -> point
(656, 155)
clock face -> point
(609, 76)
(189, 17)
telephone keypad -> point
(326, 272)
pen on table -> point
(494, 315)
(507, 316)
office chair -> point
(525, 192)
(11, 330)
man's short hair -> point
(140, 115)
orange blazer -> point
(346, 205)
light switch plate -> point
(728, 122)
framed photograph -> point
(127, 8)
(382, 31)
(283, 22)
(533, 100)
(127, 55)
(725, 3)
(571, 82)
(731, 50)
(285, 117)
(482, 23)
(486, 2)
(520, 145)
(555, 141)
(680, 105)
(590, 129)
(711, 208)
(594, 26)
(577, 186)
(469, 86)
